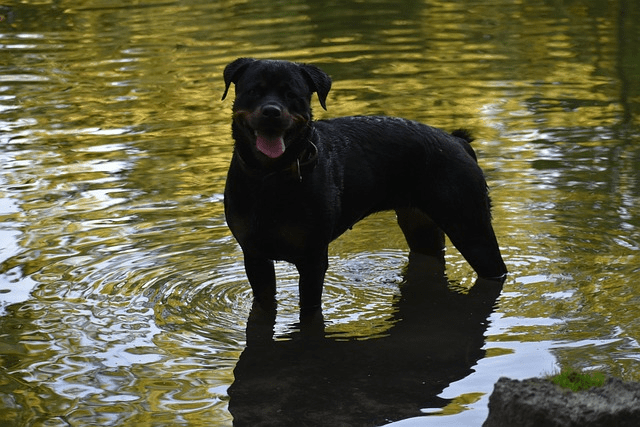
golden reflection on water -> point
(119, 278)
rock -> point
(540, 403)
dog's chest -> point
(280, 225)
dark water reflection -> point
(306, 378)
(122, 294)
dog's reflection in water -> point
(311, 380)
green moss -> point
(577, 380)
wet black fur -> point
(335, 172)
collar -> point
(303, 163)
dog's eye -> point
(253, 93)
(290, 94)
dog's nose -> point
(271, 111)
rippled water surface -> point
(123, 299)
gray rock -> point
(540, 403)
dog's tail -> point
(465, 135)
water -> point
(123, 299)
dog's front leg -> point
(262, 277)
(312, 270)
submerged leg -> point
(262, 277)
(422, 234)
(312, 270)
(482, 252)
(455, 196)
(469, 229)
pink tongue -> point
(272, 147)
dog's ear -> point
(318, 80)
(233, 71)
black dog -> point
(295, 185)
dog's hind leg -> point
(422, 234)
(480, 248)
(262, 277)
(471, 233)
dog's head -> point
(272, 105)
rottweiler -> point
(295, 184)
